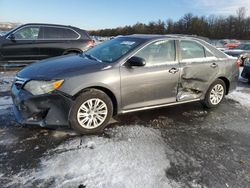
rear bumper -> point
(49, 110)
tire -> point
(215, 94)
(90, 120)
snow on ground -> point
(6, 79)
(130, 156)
(5, 102)
(240, 96)
(7, 139)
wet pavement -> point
(204, 148)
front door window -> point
(160, 52)
(27, 33)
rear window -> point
(59, 33)
(85, 35)
(190, 50)
(68, 33)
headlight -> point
(41, 87)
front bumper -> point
(48, 110)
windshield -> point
(6, 33)
(112, 50)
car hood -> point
(60, 67)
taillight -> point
(238, 62)
(90, 44)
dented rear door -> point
(198, 69)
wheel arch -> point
(107, 91)
(227, 83)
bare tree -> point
(216, 27)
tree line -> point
(215, 27)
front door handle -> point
(173, 70)
(214, 65)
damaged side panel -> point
(195, 78)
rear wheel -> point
(91, 112)
(215, 94)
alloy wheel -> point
(216, 94)
(92, 113)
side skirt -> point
(158, 106)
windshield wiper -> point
(93, 57)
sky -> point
(100, 14)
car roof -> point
(169, 36)
(44, 24)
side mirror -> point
(11, 36)
(136, 61)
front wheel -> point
(215, 94)
(91, 112)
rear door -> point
(56, 40)
(199, 68)
(22, 48)
(156, 82)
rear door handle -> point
(214, 65)
(173, 70)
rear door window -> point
(52, 33)
(191, 50)
(59, 33)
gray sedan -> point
(126, 74)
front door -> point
(155, 83)
(22, 45)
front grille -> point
(19, 82)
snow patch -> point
(7, 139)
(62, 133)
(240, 96)
(5, 102)
(130, 156)
(6, 80)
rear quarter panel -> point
(230, 71)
